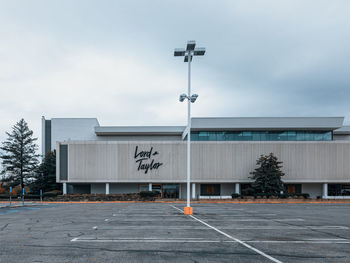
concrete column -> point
(150, 187)
(64, 188)
(193, 191)
(325, 191)
(237, 188)
(107, 188)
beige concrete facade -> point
(212, 162)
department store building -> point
(315, 152)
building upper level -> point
(202, 129)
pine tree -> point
(268, 175)
(45, 177)
(19, 158)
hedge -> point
(234, 195)
(269, 195)
(145, 194)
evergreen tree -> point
(19, 158)
(45, 177)
(267, 177)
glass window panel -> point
(283, 136)
(247, 136)
(262, 136)
(144, 187)
(256, 136)
(273, 136)
(236, 136)
(212, 136)
(228, 136)
(194, 136)
(308, 136)
(327, 136)
(318, 136)
(220, 136)
(300, 136)
(292, 135)
(345, 189)
(240, 136)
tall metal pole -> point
(189, 131)
(188, 53)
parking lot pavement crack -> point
(78, 235)
(307, 256)
(295, 225)
(172, 251)
(2, 228)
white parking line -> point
(173, 219)
(113, 240)
(257, 219)
(199, 240)
(233, 238)
(170, 227)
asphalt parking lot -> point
(154, 232)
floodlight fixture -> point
(193, 97)
(190, 45)
(182, 97)
(199, 51)
(179, 52)
(186, 58)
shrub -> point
(56, 192)
(50, 194)
(283, 196)
(4, 196)
(145, 194)
(264, 195)
(248, 191)
(306, 196)
(31, 196)
(234, 195)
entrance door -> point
(170, 191)
(291, 189)
(157, 188)
(210, 189)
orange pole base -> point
(188, 210)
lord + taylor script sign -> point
(145, 160)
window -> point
(339, 189)
(170, 191)
(210, 189)
(292, 188)
(143, 187)
(261, 136)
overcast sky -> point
(114, 60)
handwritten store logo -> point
(145, 160)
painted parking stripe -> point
(229, 227)
(233, 238)
(202, 240)
(213, 220)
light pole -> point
(188, 54)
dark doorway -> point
(170, 191)
(210, 189)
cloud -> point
(113, 60)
